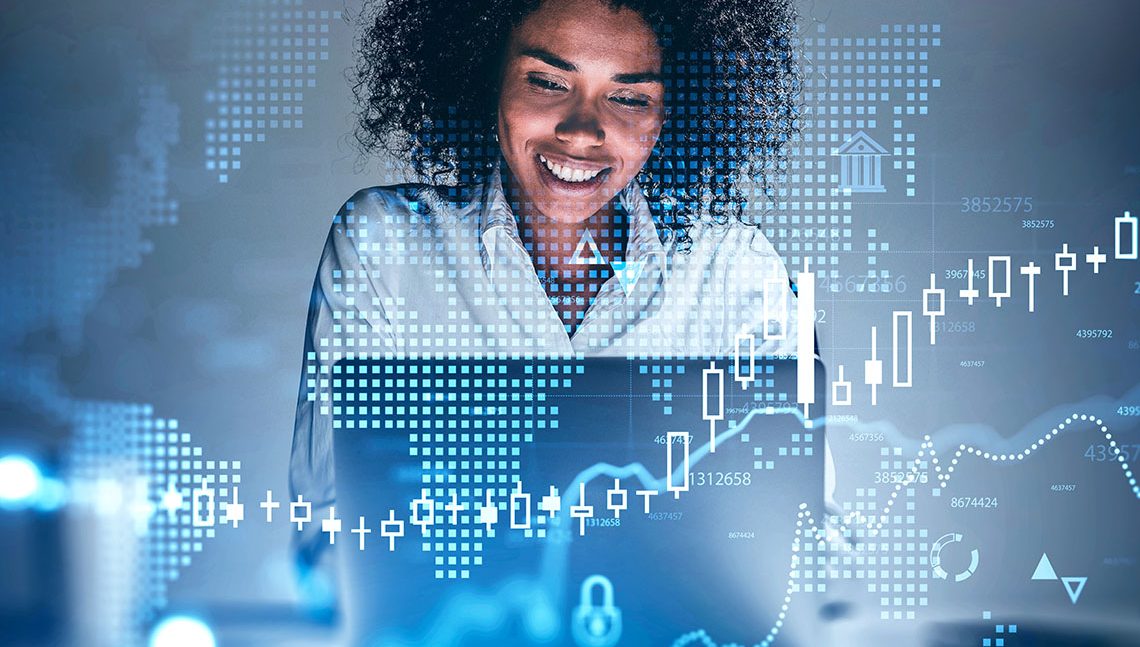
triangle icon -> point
(627, 273)
(587, 241)
(1044, 569)
(1074, 586)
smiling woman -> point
(592, 174)
(433, 78)
(578, 117)
(577, 120)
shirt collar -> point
(496, 217)
(644, 239)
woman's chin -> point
(569, 214)
(575, 210)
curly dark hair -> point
(427, 83)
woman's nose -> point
(580, 127)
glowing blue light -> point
(182, 631)
(20, 480)
(52, 495)
(542, 621)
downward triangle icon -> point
(627, 273)
(1044, 569)
(587, 240)
(1074, 586)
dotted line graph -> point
(820, 532)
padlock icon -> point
(596, 626)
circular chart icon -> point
(936, 558)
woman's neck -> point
(553, 244)
(560, 246)
(573, 260)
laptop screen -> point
(575, 501)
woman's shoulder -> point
(384, 224)
(409, 205)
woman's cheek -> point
(524, 118)
(640, 144)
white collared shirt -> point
(415, 270)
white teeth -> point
(567, 174)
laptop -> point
(640, 501)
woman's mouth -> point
(571, 178)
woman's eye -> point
(631, 102)
(545, 83)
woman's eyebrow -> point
(637, 77)
(553, 60)
(549, 58)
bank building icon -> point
(861, 164)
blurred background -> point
(169, 172)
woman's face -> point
(580, 106)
